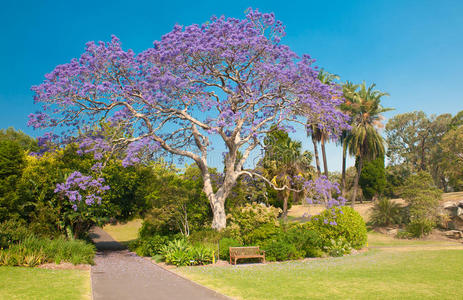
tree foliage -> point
(451, 161)
(422, 198)
(414, 141)
(227, 81)
(373, 178)
(285, 164)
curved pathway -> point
(121, 274)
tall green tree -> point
(365, 142)
(349, 92)
(26, 142)
(373, 178)
(452, 157)
(12, 161)
(413, 141)
(318, 134)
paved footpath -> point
(120, 274)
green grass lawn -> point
(125, 232)
(376, 239)
(372, 275)
(34, 283)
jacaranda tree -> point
(227, 81)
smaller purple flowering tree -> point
(83, 193)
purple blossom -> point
(78, 187)
(227, 81)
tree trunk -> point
(217, 200)
(325, 162)
(219, 219)
(317, 159)
(343, 174)
(285, 204)
(356, 181)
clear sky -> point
(411, 49)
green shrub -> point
(294, 243)
(261, 234)
(201, 255)
(224, 246)
(386, 212)
(279, 250)
(420, 228)
(13, 231)
(208, 236)
(338, 247)
(175, 245)
(422, 198)
(339, 223)
(244, 220)
(150, 246)
(306, 241)
(181, 253)
(179, 258)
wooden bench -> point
(246, 252)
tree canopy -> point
(228, 80)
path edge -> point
(183, 277)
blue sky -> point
(411, 49)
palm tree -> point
(316, 136)
(319, 134)
(349, 90)
(364, 141)
(283, 161)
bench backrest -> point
(243, 251)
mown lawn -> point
(375, 274)
(34, 283)
(125, 232)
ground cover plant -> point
(33, 251)
(35, 283)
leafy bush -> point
(224, 246)
(181, 253)
(32, 251)
(205, 236)
(338, 247)
(386, 212)
(201, 255)
(308, 242)
(422, 198)
(13, 231)
(279, 250)
(245, 220)
(294, 243)
(420, 228)
(339, 223)
(150, 246)
(261, 234)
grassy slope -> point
(124, 233)
(34, 283)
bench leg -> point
(263, 260)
